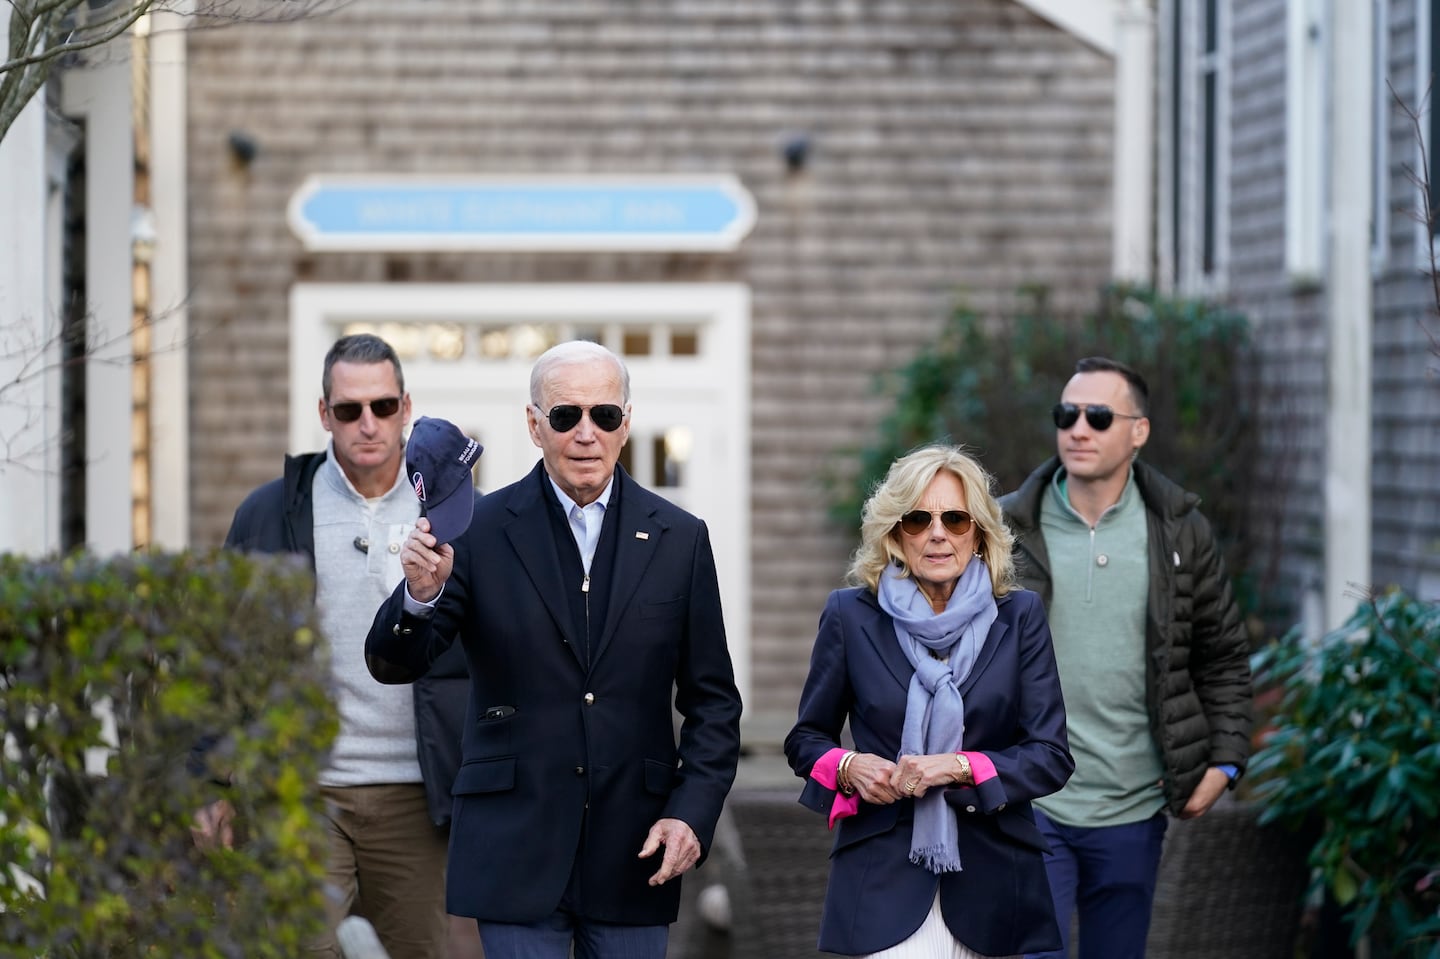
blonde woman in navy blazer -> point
(943, 669)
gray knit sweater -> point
(376, 742)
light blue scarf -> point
(934, 708)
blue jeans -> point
(550, 938)
(1109, 872)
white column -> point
(100, 98)
(169, 378)
(1132, 253)
(1349, 314)
(29, 343)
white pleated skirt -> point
(933, 940)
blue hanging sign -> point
(521, 213)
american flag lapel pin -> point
(641, 534)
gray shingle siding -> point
(1287, 510)
(1291, 335)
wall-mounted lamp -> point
(243, 147)
(796, 151)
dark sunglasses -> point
(1098, 415)
(917, 521)
(566, 416)
(350, 412)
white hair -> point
(571, 352)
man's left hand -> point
(682, 849)
(1211, 788)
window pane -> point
(684, 343)
(529, 340)
(1433, 118)
(1209, 198)
(636, 342)
(495, 343)
(447, 341)
(477, 477)
(407, 338)
(671, 454)
(1177, 131)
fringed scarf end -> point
(937, 859)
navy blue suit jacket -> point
(567, 764)
(999, 903)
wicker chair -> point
(785, 862)
(1228, 887)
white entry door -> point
(467, 351)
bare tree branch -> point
(95, 34)
(29, 353)
(1426, 214)
(43, 32)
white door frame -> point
(487, 394)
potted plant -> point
(1353, 754)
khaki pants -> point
(386, 862)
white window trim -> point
(1306, 208)
(1215, 281)
(1384, 106)
(1181, 271)
(1166, 259)
(1424, 95)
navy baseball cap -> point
(438, 460)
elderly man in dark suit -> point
(587, 608)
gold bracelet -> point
(842, 774)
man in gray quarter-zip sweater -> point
(1152, 651)
(387, 781)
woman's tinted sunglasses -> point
(350, 412)
(566, 416)
(917, 521)
(1098, 415)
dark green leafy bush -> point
(99, 862)
(1354, 754)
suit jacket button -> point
(1000, 807)
(579, 770)
(969, 808)
(589, 699)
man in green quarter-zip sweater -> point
(1152, 652)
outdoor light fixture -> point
(243, 147)
(796, 150)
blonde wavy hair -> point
(900, 491)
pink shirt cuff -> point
(823, 772)
(981, 768)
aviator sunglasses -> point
(917, 521)
(567, 416)
(1098, 415)
(350, 412)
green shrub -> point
(1354, 753)
(178, 649)
(990, 384)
